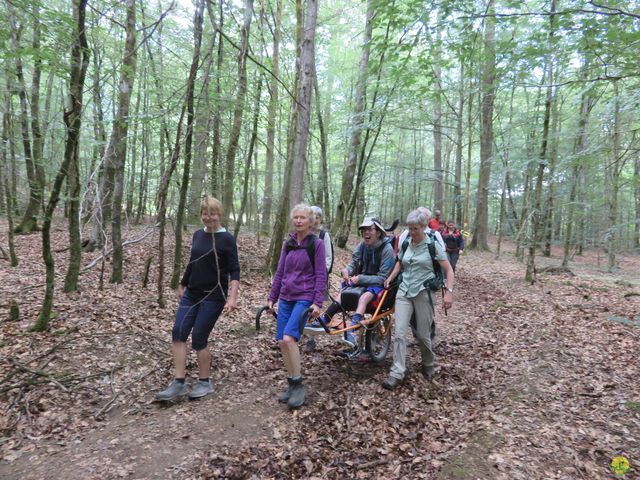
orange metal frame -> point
(377, 316)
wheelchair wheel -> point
(378, 340)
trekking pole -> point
(444, 305)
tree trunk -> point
(579, 148)
(188, 144)
(457, 189)
(161, 201)
(437, 131)
(216, 171)
(9, 198)
(340, 227)
(272, 113)
(303, 104)
(35, 178)
(552, 217)
(119, 137)
(72, 120)
(636, 227)
(530, 274)
(613, 168)
(202, 126)
(241, 93)
(324, 201)
(281, 220)
(505, 173)
(481, 223)
(247, 164)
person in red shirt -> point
(436, 223)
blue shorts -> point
(290, 321)
(196, 316)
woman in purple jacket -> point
(299, 283)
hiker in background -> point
(299, 284)
(209, 284)
(322, 234)
(415, 297)
(454, 243)
(371, 262)
(436, 223)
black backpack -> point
(321, 236)
(436, 283)
(291, 244)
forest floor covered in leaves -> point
(533, 381)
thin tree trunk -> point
(29, 221)
(613, 168)
(552, 217)
(216, 171)
(636, 227)
(457, 189)
(281, 220)
(9, 198)
(72, 119)
(238, 111)
(119, 138)
(202, 126)
(341, 223)
(505, 174)
(481, 222)
(579, 148)
(530, 274)
(272, 111)
(324, 200)
(437, 130)
(163, 190)
(247, 164)
(188, 143)
(303, 104)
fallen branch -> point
(106, 253)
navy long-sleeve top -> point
(213, 263)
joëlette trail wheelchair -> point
(375, 341)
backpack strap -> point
(310, 248)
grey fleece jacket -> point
(363, 260)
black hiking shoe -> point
(391, 383)
(428, 372)
(296, 397)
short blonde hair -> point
(304, 208)
(211, 205)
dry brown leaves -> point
(533, 381)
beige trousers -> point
(424, 318)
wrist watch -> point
(450, 290)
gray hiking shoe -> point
(296, 397)
(201, 389)
(174, 390)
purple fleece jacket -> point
(295, 277)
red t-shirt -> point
(434, 224)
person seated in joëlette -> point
(371, 263)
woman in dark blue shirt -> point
(209, 285)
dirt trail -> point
(532, 382)
(152, 443)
